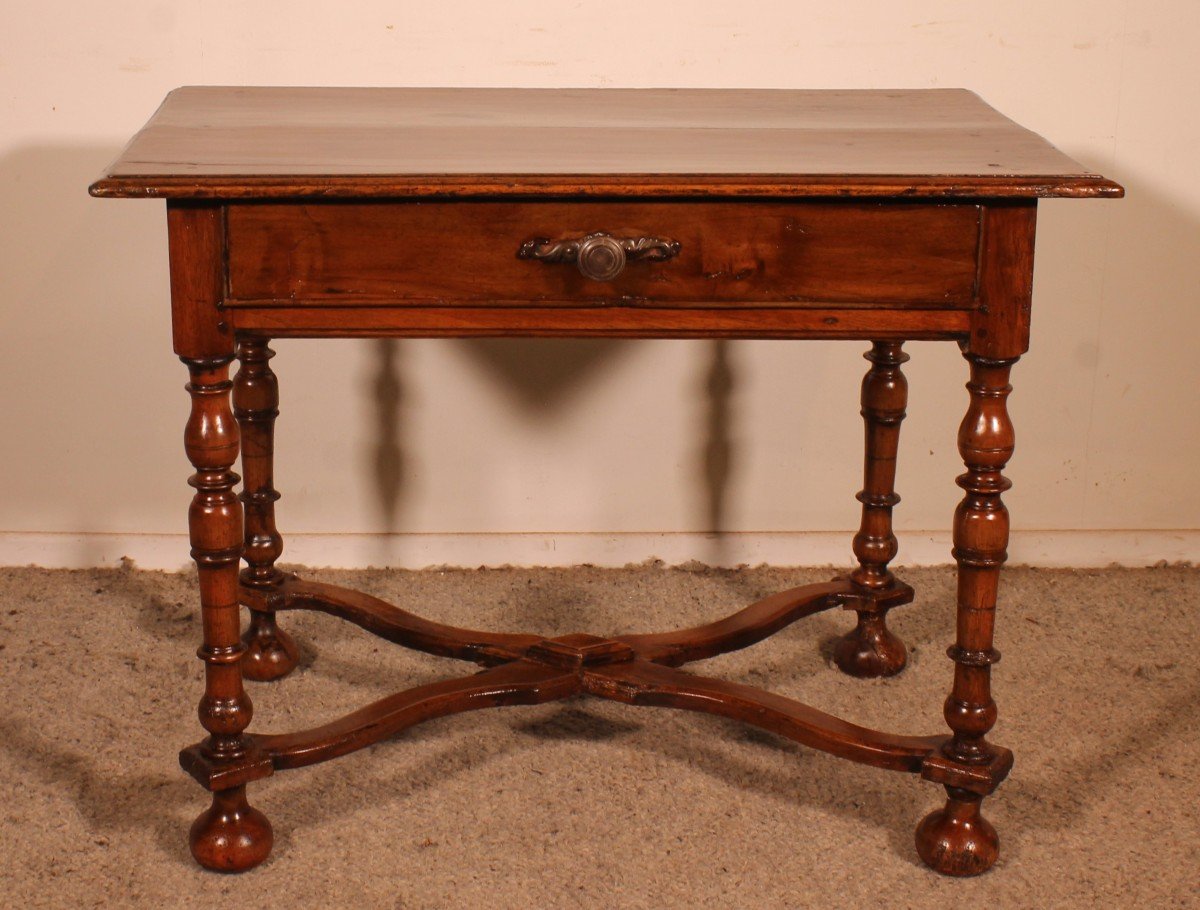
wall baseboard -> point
(1078, 549)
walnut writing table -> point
(876, 215)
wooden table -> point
(877, 215)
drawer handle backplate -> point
(599, 256)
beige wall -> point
(505, 437)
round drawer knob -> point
(600, 258)
(599, 255)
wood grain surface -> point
(274, 142)
(732, 253)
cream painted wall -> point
(495, 438)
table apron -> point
(278, 321)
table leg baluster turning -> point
(270, 652)
(958, 839)
(391, 213)
(871, 649)
(230, 835)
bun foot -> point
(870, 650)
(231, 836)
(958, 840)
(270, 652)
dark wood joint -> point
(615, 687)
(265, 598)
(897, 594)
(571, 652)
(222, 773)
(980, 778)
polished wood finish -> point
(958, 840)
(622, 668)
(196, 236)
(605, 321)
(746, 627)
(391, 623)
(644, 683)
(871, 649)
(1000, 318)
(879, 216)
(518, 683)
(354, 142)
(270, 652)
(230, 835)
(730, 254)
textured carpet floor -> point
(595, 804)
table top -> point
(264, 142)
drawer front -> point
(737, 253)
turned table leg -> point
(871, 649)
(958, 840)
(270, 652)
(230, 836)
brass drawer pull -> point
(599, 256)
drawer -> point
(729, 254)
